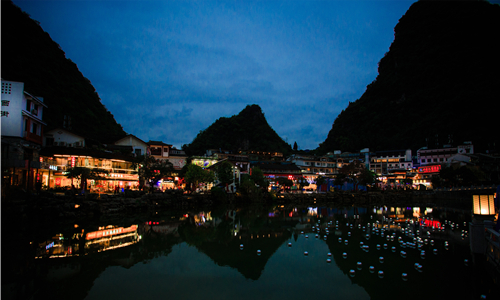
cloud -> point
(168, 69)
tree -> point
(247, 186)
(284, 182)
(84, 174)
(367, 177)
(258, 177)
(152, 170)
(224, 172)
(320, 180)
(357, 173)
(196, 175)
(340, 179)
(459, 176)
(295, 147)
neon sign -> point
(430, 169)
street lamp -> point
(483, 205)
(483, 214)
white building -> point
(139, 147)
(178, 158)
(22, 135)
(63, 137)
(21, 113)
(383, 162)
(427, 156)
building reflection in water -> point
(106, 238)
(251, 239)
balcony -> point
(32, 137)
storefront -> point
(425, 174)
(118, 171)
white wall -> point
(61, 135)
(134, 143)
(12, 125)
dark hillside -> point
(438, 84)
(29, 55)
(248, 130)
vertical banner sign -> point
(72, 161)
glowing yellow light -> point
(483, 204)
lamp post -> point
(483, 214)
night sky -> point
(168, 69)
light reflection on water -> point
(198, 254)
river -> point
(250, 252)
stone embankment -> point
(61, 206)
(64, 206)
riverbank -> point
(61, 206)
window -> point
(25, 124)
(34, 128)
(137, 152)
(5, 102)
(155, 150)
(28, 105)
(35, 110)
(6, 88)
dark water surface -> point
(248, 253)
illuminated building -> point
(383, 162)
(121, 174)
(22, 135)
(139, 147)
(427, 156)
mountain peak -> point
(436, 83)
(247, 130)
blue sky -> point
(168, 69)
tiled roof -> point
(157, 143)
